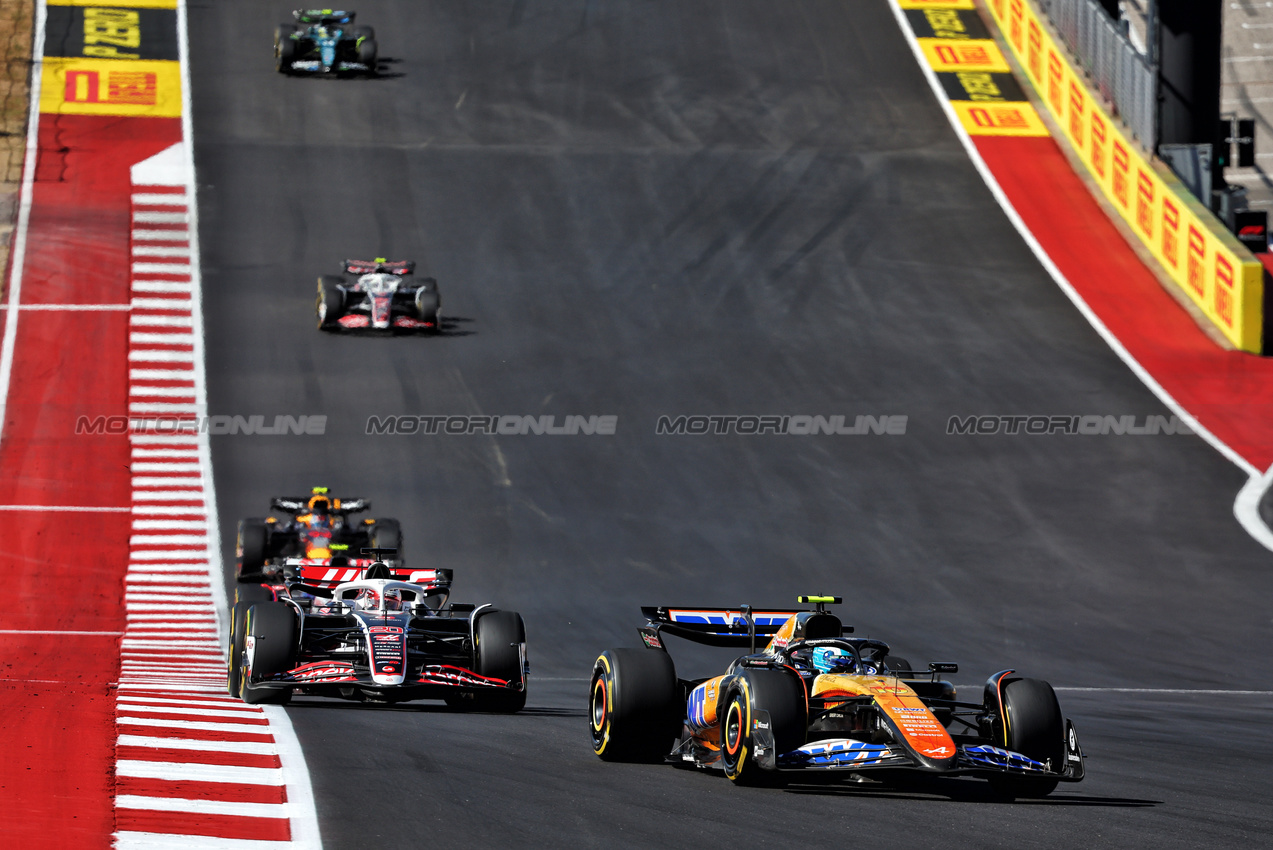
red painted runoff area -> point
(1229, 392)
(64, 569)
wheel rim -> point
(733, 729)
(600, 705)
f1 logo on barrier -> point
(136, 88)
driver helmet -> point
(832, 659)
(393, 599)
(319, 504)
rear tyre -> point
(272, 629)
(284, 49)
(897, 664)
(387, 534)
(252, 548)
(330, 305)
(501, 637)
(635, 709)
(777, 692)
(1035, 728)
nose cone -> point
(395, 678)
(388, 654)
(380, 311)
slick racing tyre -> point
(361, 33)
(897, 664)
(367, 52)
(501, 637)
(1035, 728)
(428, 301)
(635, 707)
(387, 534)
(330, 305)
(284, 49)
(252, 548)
(269, 635)
(246, 595)
(782, 695)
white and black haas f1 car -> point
(315, 531)
(324, 41)
(384, 637)
(383, 296)
(817, 699)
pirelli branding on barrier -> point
(1207, 263)
(972, 69)
(105, 59)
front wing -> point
(346, 674)
(314, 66)
(973, 759)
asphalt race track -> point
(719, 208)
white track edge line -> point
(17, 259)
(300, 793)
(1246, 503)
(303, 812)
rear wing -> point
(379, 265)
(300, 504)
(321, 572)
(324, 17)
(714, 626)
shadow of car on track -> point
(382, 73)
(949, 789)
(428, 708)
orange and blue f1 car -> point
(816, 698)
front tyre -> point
(428, 303)
(1033, 726)
(501, 646)
(330, 305)
(269, 648)
(781, 695)
(367, 53)
(284, 49)
(635, 706)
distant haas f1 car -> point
(383, 636)
(815, 699)
(381, 297)
(324, 41)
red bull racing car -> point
(374, 634)
(816, 698)
(383, 296)
(318, 531)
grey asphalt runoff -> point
(722, 208)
